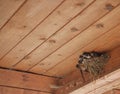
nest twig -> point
(93, 62)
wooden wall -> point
(11, 90)
(25, 83)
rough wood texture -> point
(10, 90)
(29, 16)
(26, 80)
(114, 91)
(8, 9)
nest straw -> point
(93, 62)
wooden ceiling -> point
(47, 36)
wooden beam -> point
(101, 85)
(26, 80)
(74, 81)
(114, 91)
(11, 90)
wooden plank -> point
(24, 21)
(100, 44)
(101, 85)
(60, 16)
(79, 41)
(7, 9)
(10, 90)
(26, 80)
(6, 90)
(114, 91)
(74, 79)
(65, 34)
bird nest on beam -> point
(93, 62)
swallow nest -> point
(93, 62)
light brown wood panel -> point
(32, 92)
(26, 80)
(8, 90)
(7, 9)
(115, 61)
(61, 16)
(24, 21)
(11, 90)
(87, 17)
(113, 91)
(100, 44)
(80, 41)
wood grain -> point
(114, 91)
(11, 90)
(80, 41)
(66, 33)
(26, 80)
(7, 90)
(56, 20)
(106, 42)
(8, 9)
(31, 14)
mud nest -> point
(93, 62)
